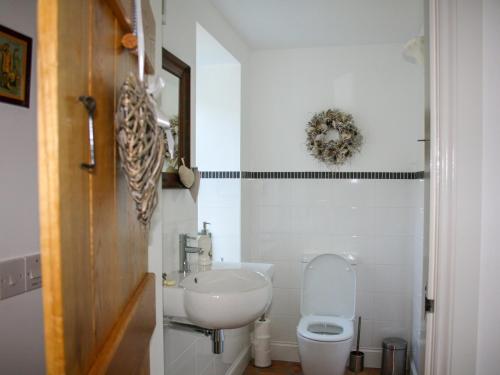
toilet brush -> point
(357, 358)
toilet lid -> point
(328, 287)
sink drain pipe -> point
(217, 335)
(217, 341)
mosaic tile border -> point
(313, 175)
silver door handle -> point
(90, 104)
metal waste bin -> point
(394, 356)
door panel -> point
(64, 187)
(109, 301)
(98, 299)
(126, 349)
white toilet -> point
(325, 330)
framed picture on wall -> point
(15, 67)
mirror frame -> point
(181, 70)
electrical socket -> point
(12, 277)
(33, 272)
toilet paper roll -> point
(264, 345)
(261, 339)
(262, 328)
(262, 358)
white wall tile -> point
(226, 247)
(365, 305)
(275, 247)
(204, 355)
(365, 278)
(311, 192)
(394, 193)
(285, 302)
(349, 193)
(312, 220)
(366, 338)
(185, 364)
(233, 345)
(210, 369)
(176, 342)
(220, 366)
(286, 274)
(383, 329)
(352, 220)
(393, 279)
(219, 192)
(223, 221)
(316, 243)
(392, 307)
(182, 347)
(275, 219)
(394, 249)
(395, 220)
(284, 328)
(252, 192)
(276, 192)
(178, 206)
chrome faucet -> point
(184, 249)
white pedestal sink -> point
(225, 297)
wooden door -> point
(99, 302)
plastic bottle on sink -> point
(205, 243)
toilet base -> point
(323, 358)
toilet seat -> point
(325, 328)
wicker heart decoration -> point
(140, 145)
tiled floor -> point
(292, 368)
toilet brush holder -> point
(357, 358)
(356, 361)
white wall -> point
(21, 318)
(379, 220)
(383, 92)
(218, 113)
(219, 203)
(489, 302)
(185, 352)
(179, 37)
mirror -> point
(170, 107)
(175, 103)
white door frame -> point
(455, 40)
(440, 180)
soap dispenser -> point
(205, 244)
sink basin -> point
(266, 269)
(226, 298)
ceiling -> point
(268, 24)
